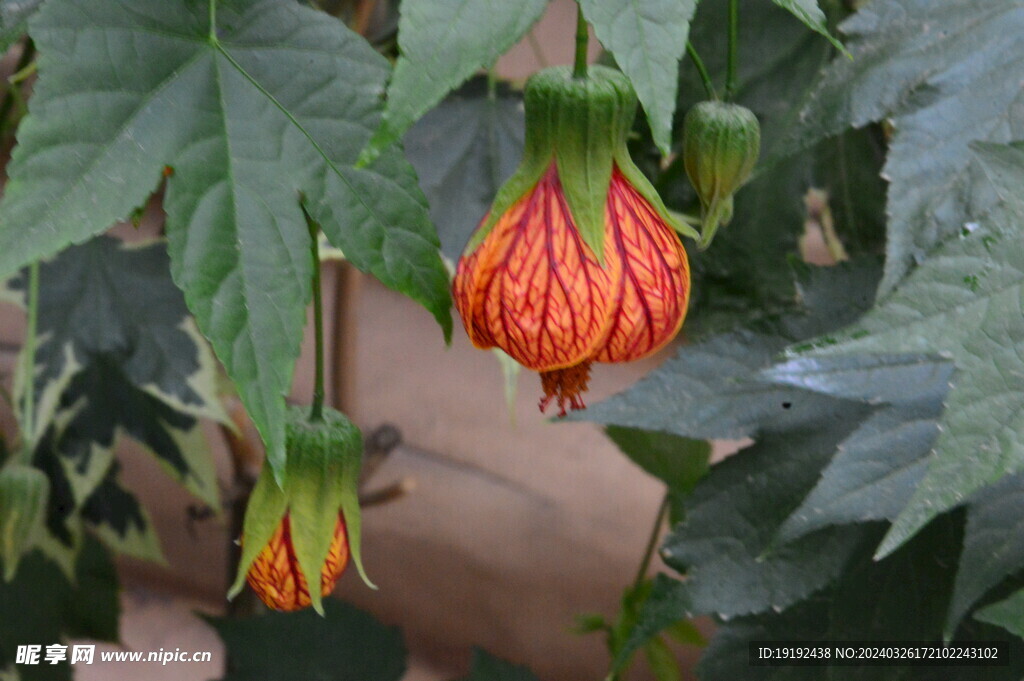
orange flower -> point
(531, 282)
(276, 577)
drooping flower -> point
(277, 577)
(578, 260)
(309, 524)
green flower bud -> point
(721, 143)
(24, 493)
(314, 515)
(580, 125)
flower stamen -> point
(565, 386)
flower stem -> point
(701, 69)
(317, 410)
(28, 53)
(652, 542)
(28, 426)
(582, 37)
(730, 77)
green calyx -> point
(324, 458)
(582, 125)
(721, 144)
(24, 493)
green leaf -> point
(441, 44)
(50, 609)
(270, 105)
(486, 667)
(662, 660)
(647, 37)
(666, 604)
(726, 542)
(993, 545)
(14, 15)
(964, 301)
(1007, 613)
(712, 389)
(119, 353)
(463, 151)
(679, 462)
(811, 15)
(876, 468)
(346, 644)
(901, 598)
(945, 73)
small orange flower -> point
(275, 574)
(534, 288)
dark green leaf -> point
(463, 151)
(486, 667)
(246, 117)
(119, 353)
(876, 468)
(1008, 614)
(442, 43)
(965, 301)
(725, 544)
(647, 37)
(345, 645)
(712, 389)
(902, 597)
(946, 73)
(666, 604)
(993, 545)
(47, 608)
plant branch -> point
(730, 77)
(28, 426)
(14, 83)
(701, 69)
(652, 542)
(317, 410)
(582, 37)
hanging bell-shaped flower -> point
(578, 260)
(310, 524)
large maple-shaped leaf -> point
(946, 73)
(118, 353)
(964, 301)
(758, 531)
(249, 106)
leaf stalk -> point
(734, 21)
(582, 38)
